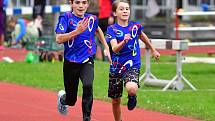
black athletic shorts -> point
(116, 81)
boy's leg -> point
(70, 74)
(131, 79)
(115, 92)
(87, 76)
(71, 81)
(116, 109)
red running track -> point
(20, 103)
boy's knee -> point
(87, 87)
(87, 90)
(131, 88)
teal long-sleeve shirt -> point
(22, 33)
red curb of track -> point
(13, 53)
(20, 103)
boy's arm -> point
(116, 47)
(22, 31)
(101, 37)
(61, 38)
(81, 27)
(145, 39)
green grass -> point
(199, 104)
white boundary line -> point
(186, 90)
(195, 13)
(201, 44)
(208, 28)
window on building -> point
(14, 2)
(161, 2)
(206, 1)
(140, 2)
(193, 2)
(139, 14)
(20, 3)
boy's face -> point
(79, 7)
(122, 11)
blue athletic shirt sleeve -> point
(140, 28)
(62, 25)
(96, 21)
(110, 33)
(22, 29)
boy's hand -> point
(156, 54)
(107, 53)
(82, 25)
(127, 37)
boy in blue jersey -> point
(76, 30)
(123, 37)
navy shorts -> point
(117, 81)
